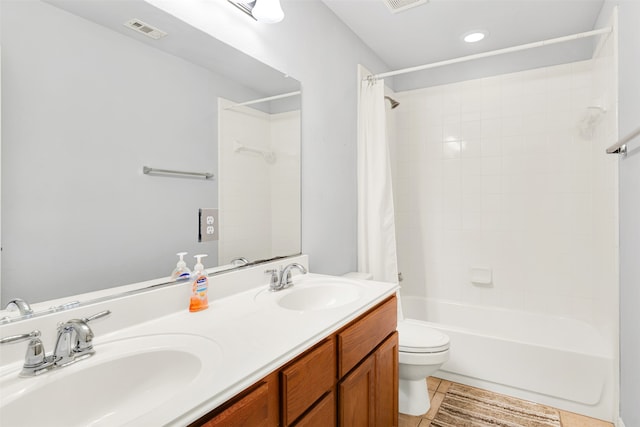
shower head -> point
(392, 101)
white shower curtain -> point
(376, 224)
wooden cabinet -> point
(255, 406)
(369, 394)
(386, 392)
(251, 410)
(362, 336)
(321, 415)
(350, 379)
(307, 379)
(356, 396)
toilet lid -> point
(417, 337)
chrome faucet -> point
(22, 305)
(239, 261)
(35, 360)
(282, 279)
(74, 342)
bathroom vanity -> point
(348, 379)
(321, 352)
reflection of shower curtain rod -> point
(270, 98)
(493, 53)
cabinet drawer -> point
(307, 379)
(358, 340)
(322, 415)
(250, 410)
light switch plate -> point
(207, 224)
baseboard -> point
(620, 423)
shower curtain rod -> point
(270, 98)
(571, 37)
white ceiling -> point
(432, 32)
(186, 42)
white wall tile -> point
(512, 184)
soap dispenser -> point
(199, 286)
(181, 272)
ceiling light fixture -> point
(474, 36)
(267, 11)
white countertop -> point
(253, 337)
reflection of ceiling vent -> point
(396, 6)
(146, 29)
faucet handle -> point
(84, 334)
(20, 337)
(35, 359)
(96, 316)
(274, 279)
(84, 319)
(75, 337)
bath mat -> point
(465, 406)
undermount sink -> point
(123, 381)
(313, 295)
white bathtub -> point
(548, 359)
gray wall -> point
(316, 48)
(84, 108)
(629, 120)
(319, 50)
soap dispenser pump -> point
(181, 272)
(199, 287)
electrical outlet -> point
(207, 224)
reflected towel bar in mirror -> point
(147, 170)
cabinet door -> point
(322, 415)
(307, 379)
(361, 337)
(356, 394)
(386, 397)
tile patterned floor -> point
(438, 387)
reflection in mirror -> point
(87, 102)
(259, 154)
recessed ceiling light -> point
(474, 36)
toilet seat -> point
(416, 337)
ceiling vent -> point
(146, 29)
(396, 6)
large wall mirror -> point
(87, 102)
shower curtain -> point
(376, 224)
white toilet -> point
(422, 351)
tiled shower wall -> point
(499, 174)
